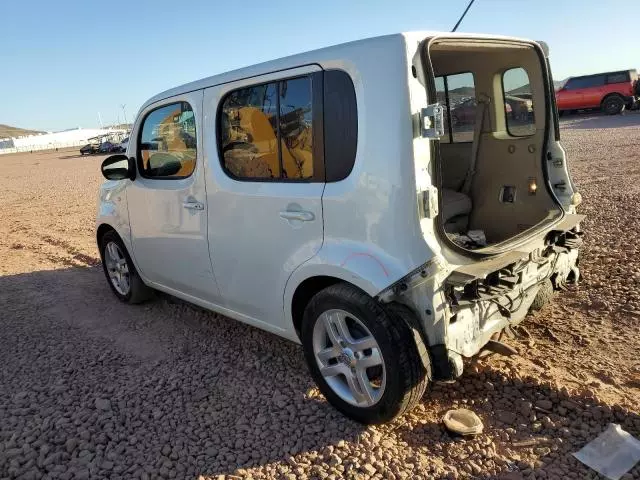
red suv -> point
(611, 92)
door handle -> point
(193, 205)
(293, 215)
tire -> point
(613, 105)
(133, 290)
(395, 385)
(543, 297)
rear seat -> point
(456, 208)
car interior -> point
(491, 164)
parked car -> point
(611, 92)
(354, 229)
(464, 113)
(123, 145)
(89, 148)
(108, 147)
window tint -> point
(458, 93)
(518, 103)
(585, 82)
(266, 131)
(167, 142)
(619, 77)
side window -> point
(585, 82)
(518, 102)
(266, 132)
(295, 128)
(619, 77)
(249, 132)
(167, 142)
(459, 94)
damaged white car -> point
(393, 204)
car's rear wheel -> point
(121, 274)
(613, 105)
(365, 360)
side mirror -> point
(118, 167)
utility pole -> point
(124, 112)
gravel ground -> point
(91, 388)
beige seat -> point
(456, 207)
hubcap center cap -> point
(348, 357)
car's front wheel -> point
(367, 361)
(121, 274)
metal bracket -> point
(432, 128)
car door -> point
(594, 91)
(265, 178)
(570, 96)
(167, 200)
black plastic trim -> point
(340, 125)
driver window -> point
(167, 146)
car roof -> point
(631, 72)
(334, 52)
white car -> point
(326, 198)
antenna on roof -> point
(463, 14)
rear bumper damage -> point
(460, 310)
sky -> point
(62, 62)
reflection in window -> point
(295, 128)
(458, 93)
(518, 102)
(249, 132)
(266, 131)
(167, 147)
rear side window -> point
(518, 103)
(585, 82)
(266, 131)
(619, 77)
(458, 93)
(340, 125)
(167, 142)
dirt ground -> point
(91, 388)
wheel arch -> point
(612, 94)
(102, 229)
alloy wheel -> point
(117, 268)
(349, 358)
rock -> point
(334, 460)
(544, 404)
(368, 468)
(260, 420)
(506, 416)
(166, 450)
(103, 404)
(70, 445)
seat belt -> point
(483, 102)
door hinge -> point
(432, 121)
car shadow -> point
(597, 120)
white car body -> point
(223, 244)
